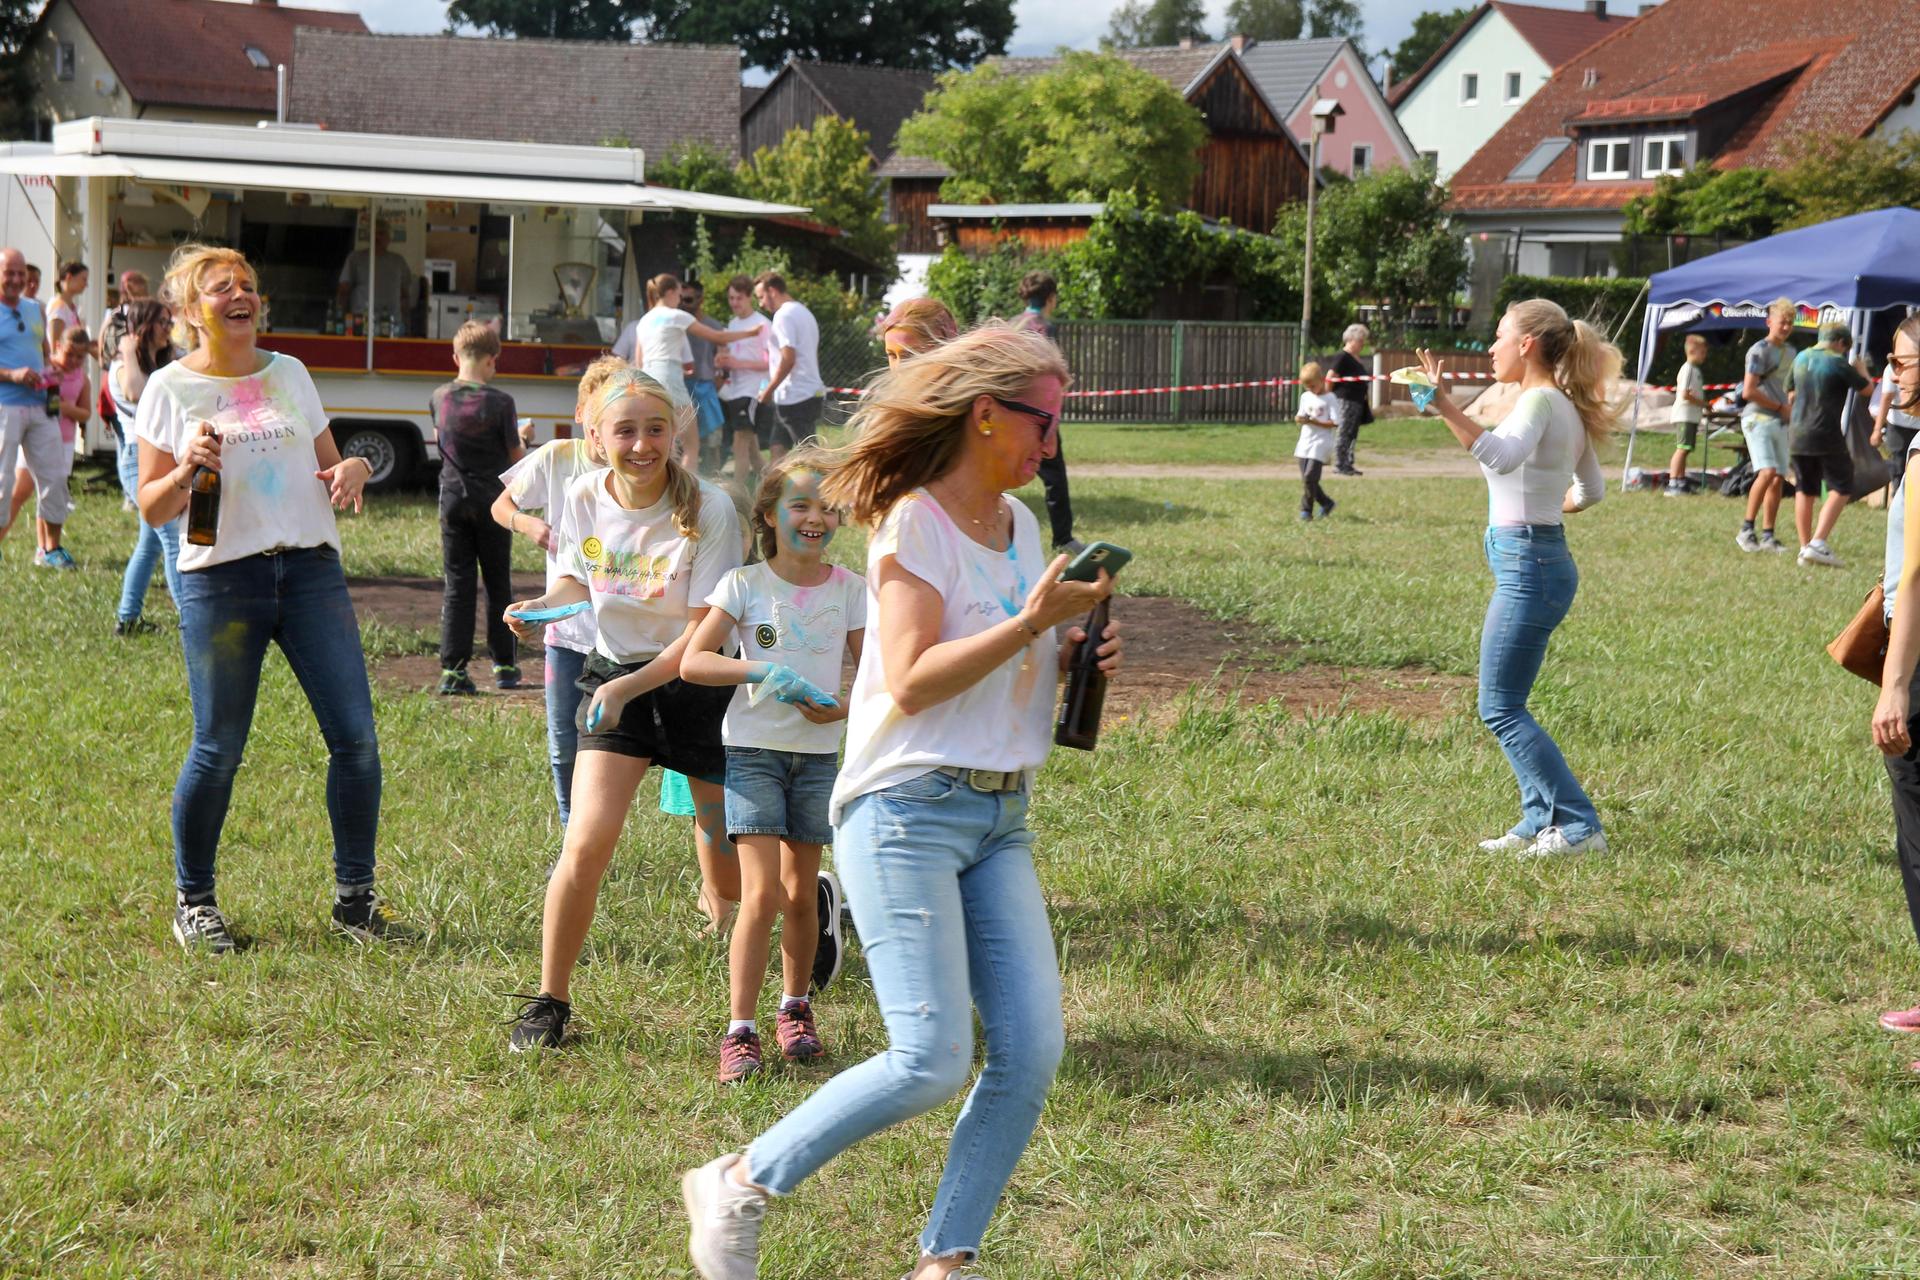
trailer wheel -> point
(390, 454)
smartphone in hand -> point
(1096, 556)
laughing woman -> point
(951, 717)
(1540, 465)
(272, 575)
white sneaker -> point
(1508, 843)
(1553, 843)
(1746, 541)
(1675, 490)
(724, 1236)
(1820, 553)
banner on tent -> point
(1745, 315)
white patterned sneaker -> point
(1817, 552)
(724, 1233)
(1508, 843)
(1553, 843)
(1746, 540)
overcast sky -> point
(1043, 24)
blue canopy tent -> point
(1845, 269)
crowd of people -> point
(702, 630)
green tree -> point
(1265, 19)
(1382, 238)
(828, 169)
(18, 94)
(1337, 18)
(1093, 126)
(1830, 177)
(1703, 201)
(1430, 30)
(1139, 24)
(695, 166)
(555, 19)
(930, 35)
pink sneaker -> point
(739, 1056)
(1901, 1019)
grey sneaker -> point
(1553, 843)
(1772, 545)
(1746, 541)
(201, 927)
(724, 1236)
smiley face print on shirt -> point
(635, 574)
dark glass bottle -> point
(203, 508)
(1079, 723)
(53, 401)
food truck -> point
(373, 249)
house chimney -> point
(1591, 79)
(1598, 8)
(1239, 43)
(1186, 42)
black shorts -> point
(676, 726)
(798, 421)
(1835, 469)
(740, 414)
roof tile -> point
(193, 53)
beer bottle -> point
(203, 508)
(1079, 722)
(53, 401)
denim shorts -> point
(780, 793)
(1766, 443)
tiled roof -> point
(1816, 68)
(1559, 35)
(876, 99)
(655, 97)
(1286, 69)
(904, 166)
(1176, 65)
(193, 53)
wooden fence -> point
(1387, 359)
(1113, 355)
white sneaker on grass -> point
(1746, 541)
(1553, 843)
(1508, 843)
(1818, 552)
(724, 1232)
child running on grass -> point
(645, 541)
(539, 482)
(1315, 448)
(792, 616)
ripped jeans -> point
(940, 879)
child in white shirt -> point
(1316, 444)
(1689, 404)
(793, 617)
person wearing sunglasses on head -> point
(27, 430)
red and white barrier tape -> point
(1269, 382)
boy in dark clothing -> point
(478, 439)
(1821, 381)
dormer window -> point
(258, 57)
(1609, 158)
(1664, 153)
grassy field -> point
(1312, 1029)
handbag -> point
(1861, 646)
(1870, 470)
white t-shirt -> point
(1003, 722)
(800, 627)
(741, 383)
(794, 326)
(662, 351)
(641, 573)
(267, 422)
(538, 482)
(1690, 381)
(1315, 443)
(1531, 458)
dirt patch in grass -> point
(1171, 647)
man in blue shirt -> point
(25, 425)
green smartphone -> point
(1096, 556)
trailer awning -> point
(31, 159)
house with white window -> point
(1295, 74)
(205, 61)
(1492, 63)
(1686, 83)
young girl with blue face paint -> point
(646, 542)
(792, 617)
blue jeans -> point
(780, 793)
(940, 878)
(298, 600)
(1534, 581)
(563, 736)
(149, 545)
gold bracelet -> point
(1021, 621)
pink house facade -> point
(1294, 74)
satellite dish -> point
(104, 84)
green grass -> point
(1312, 1030)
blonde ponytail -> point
(1585, 365)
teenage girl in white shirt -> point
(1540, 464)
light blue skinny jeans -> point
(1534, 581)
(149, 545)
(563, 736)
(940, 879)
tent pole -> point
(1649, 334)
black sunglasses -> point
(19, 323)
(1049, 422)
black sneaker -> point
(540, 1024)
(1326, 509)
(133, 627)
(827, 952)
(455, 682)
(365, 918)
(199, 926)
(505, 676)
